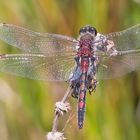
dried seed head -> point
(61, 107)
(55, 136)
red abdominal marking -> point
(81, 105)
(84, 65)
(82, 95)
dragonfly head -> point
(88, 30)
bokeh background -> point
(27, 106)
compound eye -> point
(93, 31)
(82, 30)
(89, 29)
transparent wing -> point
(127, 42)
(115, 66)
(38, 66)
(128, 39)
(33, 42)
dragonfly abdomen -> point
(82, 92)
(81, 101)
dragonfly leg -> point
(75, 93)
(111, 50)
(92, 83)
(91, 79)
(75, 86)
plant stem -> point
(57, 114)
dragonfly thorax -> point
(86, 37)
(85, 44)
(85, 47)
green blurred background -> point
(27, 106)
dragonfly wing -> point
(33, 42)
(128, 39)
(116, 66)
(38, 66)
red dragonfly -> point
(56, 57)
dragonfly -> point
(81, 61)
